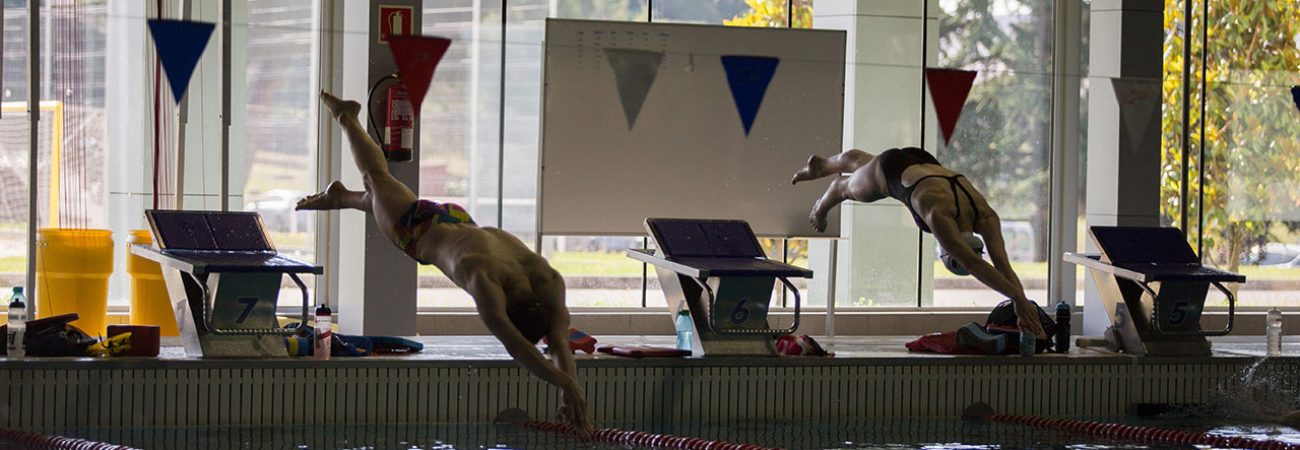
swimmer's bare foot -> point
(330, 198)
(339, 107)
(818, 221)
(810, 170)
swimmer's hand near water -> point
(1027, 317)
(574, 411)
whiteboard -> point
(684, 152)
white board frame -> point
(584, 190)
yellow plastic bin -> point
(150, 304)
(72, 269)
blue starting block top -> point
(1150, 254)
(702, 248)
(202, 242)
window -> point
(1003, 139)
(14, 175)
(1240, 139)
(98, 139)
(475, 130)
(72, 152)
(279, 104)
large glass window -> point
(278, 166)
(1237, 127)
(14, 165)
(110, 128)
(1003, 139)
(480, 137)
(479, 134)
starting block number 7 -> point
(249, 303)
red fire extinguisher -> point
(400, 127)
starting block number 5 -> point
(1178, 315)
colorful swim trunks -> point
(419, 217)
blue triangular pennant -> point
(748, 77)
(179, 45)
(1295, 95)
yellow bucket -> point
(150, 304)
(72, 269)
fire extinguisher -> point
(400, 126)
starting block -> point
(719, 271)
(223, 278)
(1153, 288)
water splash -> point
(1250, 371)
(1260, 392)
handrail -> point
(288, 331)
(712, 318)
(1232, 302)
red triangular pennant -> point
(416, 58)
(948, 91)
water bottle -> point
(1028, 343)
(17, 324)
(684, 329)
(1062, 327)
(1274, 331)
(323, 335)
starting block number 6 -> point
(740, 314)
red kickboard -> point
(643, 351)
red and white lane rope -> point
(640, 439)
(46, 442)
(1144, 434)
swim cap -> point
(951, 263)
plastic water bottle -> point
(1028, 343)
(684, 329)
(1062, 327)
(17, 324)
(1274, 332)
(321, 341)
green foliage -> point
(773, 14)
(1252, 141)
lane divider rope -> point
(1144, 434)
(47, 442)
(640, 439)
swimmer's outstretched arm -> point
(491, 304)
(949, 236)
(575, 403)
(990, 228)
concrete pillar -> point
(1123, 166)
(130, 179)
(376, 290)
(883, 106)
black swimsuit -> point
(895, 160)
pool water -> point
(894, 434)
(1240, 407)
